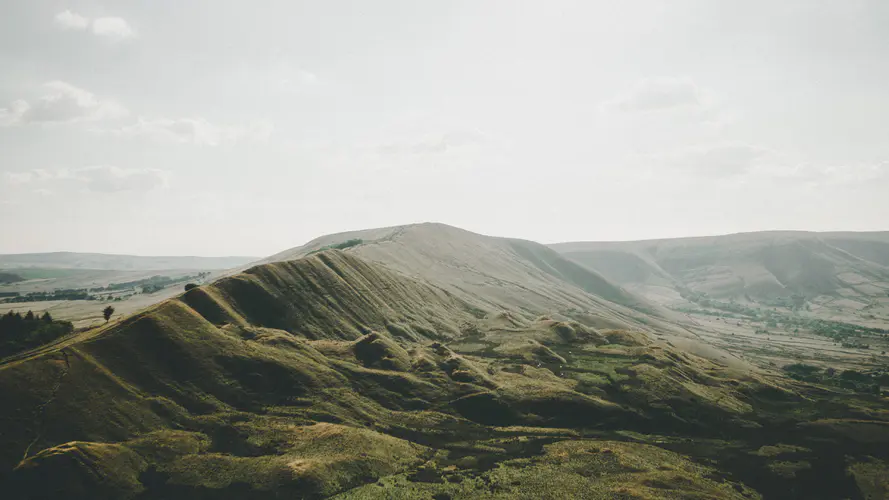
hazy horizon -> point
(221, 128)
(298, 244)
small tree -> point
(107, 312)
(46, 317)
(189, 286)
(29, 316)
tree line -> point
(19, 332)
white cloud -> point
(100, 179)
(660, 94)
(115, 28)
(69, 20)
(110, 28)
(196, 131)
(60, 103)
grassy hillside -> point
(333, 376)
(494, 274)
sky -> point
(245, 128)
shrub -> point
(855, 376)
(347, 244)
(801, 369)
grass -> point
(311, 379)
(564, 469)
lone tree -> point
(108, 312)
(189, 286)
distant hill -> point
(10, 278)
(493, 274)
(761, 265)
(99, 261)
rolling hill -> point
(421, 362)
(747, 266)
(494, 274)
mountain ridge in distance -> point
(758, 265)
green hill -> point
(494, 274)
(336, 376)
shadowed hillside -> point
(334, 376)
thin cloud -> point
(69, 20)
(98, 179)
(659, 94)
(113, 27)
(198, 131)
(12, 114)
(826, 175)
(61, 102)
(435, 144)
(64, 103)
(758, 163)
(724, 159)
(110, 28)
(110, 179)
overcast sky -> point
(245, 128)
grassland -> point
(334, 376)
(128, 291)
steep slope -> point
(332, 375)
(495, 274)
(762, 265)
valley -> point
(76, 287)
(775, 298)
